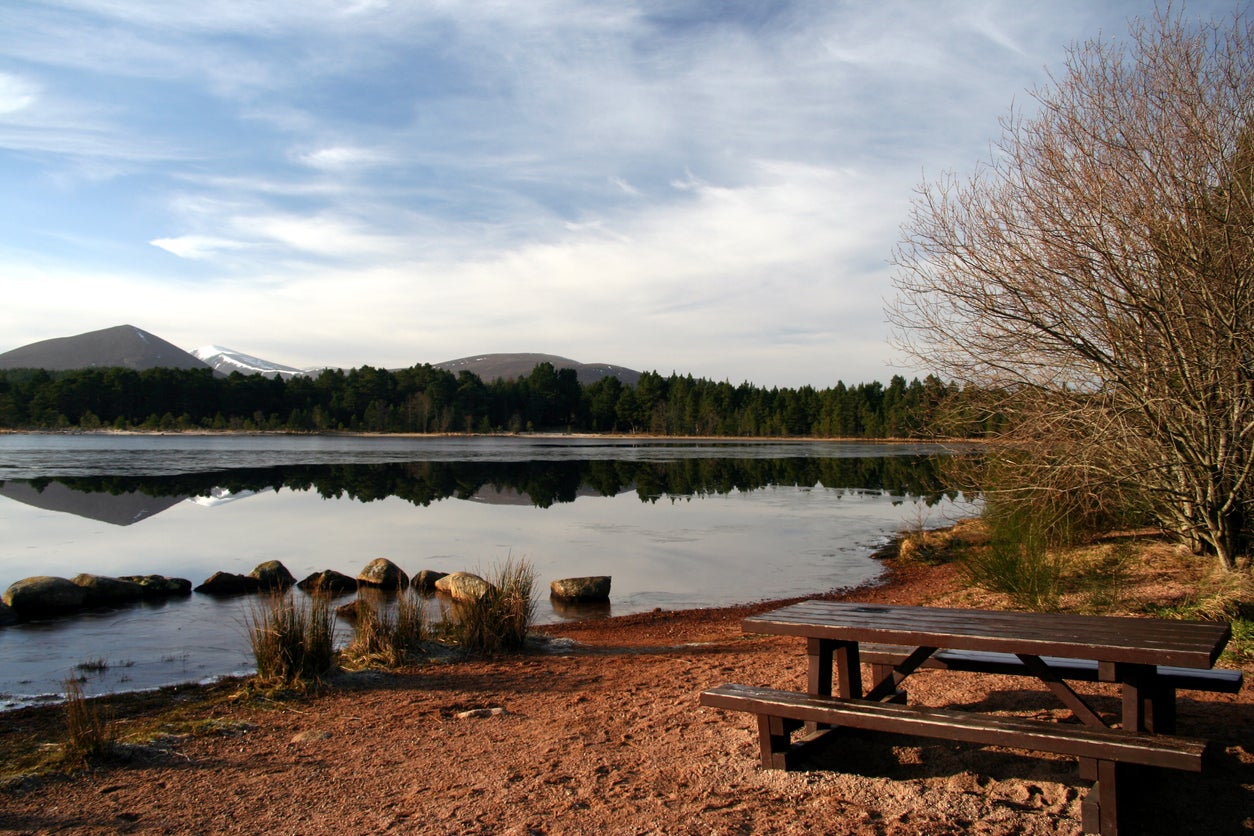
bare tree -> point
(1096, 278)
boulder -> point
(226, 583)
(7, 615)
(581, 590)
(425, 580)
(43, 596)
(330, 582)
(463, 586)
(384, 574)
(159, 586)
(272, 575)
(107, 592)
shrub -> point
(293, 644)
(500, 618)
(1018, 561)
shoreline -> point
(524, 435)
(601, 732)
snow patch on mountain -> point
(226, 360)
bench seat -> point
(1217, 680)
(781, 712)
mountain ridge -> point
(131, 347)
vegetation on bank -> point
(423, 399)
(1133, 572)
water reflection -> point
(123, 500)
(676, 526)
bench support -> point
(1109, 754)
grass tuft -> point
(500, 619)
(387, 637)
(292, 643)
(89, 736)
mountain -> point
(491, 367)
(227, 360)
(122, 345)
(133, 348)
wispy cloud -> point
(713, 188)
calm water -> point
(676, 525)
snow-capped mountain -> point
(227, 360)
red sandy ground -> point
(603, 734)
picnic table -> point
(1147, 659)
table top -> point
(1141, 641)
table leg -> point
(1147, 706)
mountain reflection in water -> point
(122, 500)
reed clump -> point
(499, 619)
(387, 636)
(292, 642)
(89, 735)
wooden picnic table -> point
(1128, 650)
(1146, 658)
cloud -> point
(713, 188)
(16, 93)
(195, 246)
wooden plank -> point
(1014, 732)
(1107, 638)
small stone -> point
(480, 713)
(311, 736)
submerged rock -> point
(463, 586)
(581, 590)
(103, 591)
(272, 575)
(328, 581)
(226, 583)
(383, 573)
(43, 596)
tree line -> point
(423, 399)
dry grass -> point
(292, 643)
(89, 736)
(386, 636)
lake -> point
(677, 524)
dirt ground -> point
(601, 732)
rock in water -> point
(383, 573)
(425, 580)
(272, 575)
(330, 582)
(581, 590)
(106, 592)
(463, 586)
(43, 596)
(159, 586)
(226, 583)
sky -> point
(708, 188)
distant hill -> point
(226, 360)
(122, 345)
(491, 367)
(133, 348)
